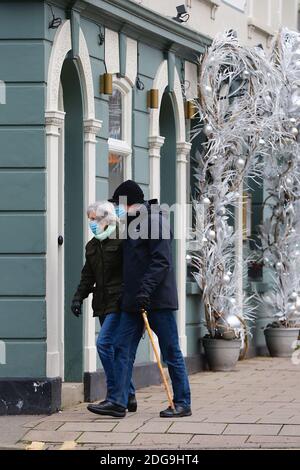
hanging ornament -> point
(294, 131)
(211, 235)
(294, 295)
(240, 163)
(206, 201)
(208, 130)
(288, 181)
(226, 279)
(208, 89)
(232, 301)
(293, 120)
(261, 141)
(245, 75)
(279, 265)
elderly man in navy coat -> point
(149, 284)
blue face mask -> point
(95, 227)
(121, 212)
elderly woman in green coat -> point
(102, 276)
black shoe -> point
(178, 412)
(108, 409)
(132, 404)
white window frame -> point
(236, 4)
(124, 147)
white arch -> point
(182, 149)
(54, 118)
(160, 83)
(61, 46)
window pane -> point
(115, 115)
(116, 171)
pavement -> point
(256, 406)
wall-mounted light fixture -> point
(152, 98)
(106, 84)
(190, 109)
(182, 14)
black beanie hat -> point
(131, 190)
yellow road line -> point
(35, 446)
(68, 445)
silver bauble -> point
(240, 163)
(261, 141)
(293, 120)
(232, 301)
(245, 75)
(208, 89)
(288, 181)
(211, 235)
(279, 265)
(226, 279)
(204, 240)
(294, 131)
(233, 321)
(208, 130)
(294, 295)
(206, 201)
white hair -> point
(105, 212)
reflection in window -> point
(115, 115)
(116, 171)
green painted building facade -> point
(63, 144)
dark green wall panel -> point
(101, 111)
(22, 233)
(22, 147)
(102, 158)
(98, 68)
(140, 96)
(91, 31)
(25, 104)
(150, 60)
(141, 165)
(22, 318)
(24, 359)
(21, 20)
(24, 61)
(193, 337)
(141, 129)
(22, 275)
(22, 190)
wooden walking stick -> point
(166, 385)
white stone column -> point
(182, 151)
(91, 127)
(54, 122)
(155, 144)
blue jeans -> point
(130, 331)
(105, 346)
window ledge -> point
(119, 146)
(255, 24)
(214, 5)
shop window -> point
(119, 131)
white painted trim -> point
(54, 121)
(155, 144)
(182, 148)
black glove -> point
(142, 302)
(76, 308)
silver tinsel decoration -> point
(280, 232)
(237, 117)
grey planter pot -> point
(280, 341)
(221, 354)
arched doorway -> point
(73, 200)
(71, 130)
(167, 128)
